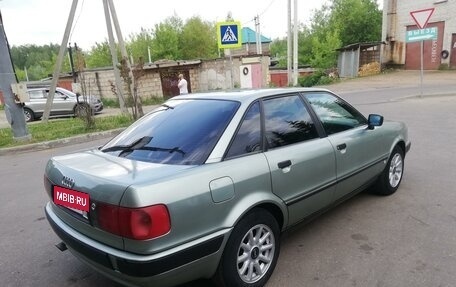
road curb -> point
(59, 142)
(425, 96)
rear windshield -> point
(182, 132)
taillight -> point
(134, 223)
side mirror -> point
(374, 121)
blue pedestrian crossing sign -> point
(229, 35)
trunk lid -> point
(104, 178)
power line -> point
(267, 8)
(261, 14)
(76, 22)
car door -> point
(302, 164)
(37, 101)
(62, 104)
(357, 156)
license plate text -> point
(71, 198)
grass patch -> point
(146, 101)
(110, 103)
(65, 128)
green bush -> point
(315, 79)
(311, 80)
(325, 80)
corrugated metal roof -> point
(357, 46)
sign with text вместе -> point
(229, 35)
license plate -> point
(72, 199)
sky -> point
(43, 22)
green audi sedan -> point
(204, 185)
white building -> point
(397, 21)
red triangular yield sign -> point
(422, 17)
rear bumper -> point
(178, 265)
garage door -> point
(432, 50)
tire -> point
(29, 115)
(391, 177)
(81, 110)
(251, 252)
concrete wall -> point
(209, 75)
(396, 18)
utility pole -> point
(58, 64)
(14, 112)
(289, 50)
(259, 48)
(292, 52)
(111, 10)
(123, 52)
(295, 44)
(70, 56)
(115, 63)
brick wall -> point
(396, 18)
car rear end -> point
(132, 209)
(96, 210)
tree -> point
(198, 39)
(99, 56)
(38, 60)
(278, 51)
(165, 42)
(305, 46)
(83, 110)
(333, 26)
(139, 44)
(357, 20)
(324, 55)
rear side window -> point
(287, 121)
(36, 94)
(248, 137)
(335, 114)
(180, 132)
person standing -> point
(182, 85)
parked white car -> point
(65, 103)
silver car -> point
(65, 103)
(203, 186)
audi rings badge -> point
(67, 182)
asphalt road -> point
(407, 239)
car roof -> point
(44, 88)
(247, 95)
